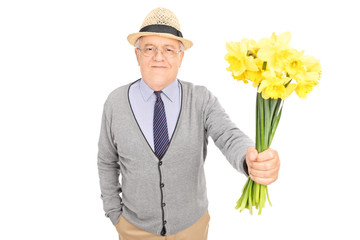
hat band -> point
(159, 28)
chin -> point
(160, 78)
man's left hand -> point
(263, 167)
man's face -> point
(159, 69)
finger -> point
(263, 181)
(251, 154)
(266, 155)
(264, 174)
(265, 165)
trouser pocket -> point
(117, 226)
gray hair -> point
(137, 44)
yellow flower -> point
(275, 50)
(273, 86)
(240, 77)
(241, 58)
(259, 63)
(255, 77)
(271, 64)
(304, 87)
(309, 78)
(275, 42)
(293, 63)
(311, 64)
(305, 83)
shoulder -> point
(119, 92)
(198, 95)
(118, 95)
(198, 91)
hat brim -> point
(132, 38)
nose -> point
(159, 55)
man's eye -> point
(149, 49)
(169, 50)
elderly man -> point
(154, 133)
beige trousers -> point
(197, 231)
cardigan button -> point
(160, 163)
(162, 185)
(165, 222)
(163, 231)
(163, 204)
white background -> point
(59, 60)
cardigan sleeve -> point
(231, 141)
(109, 171)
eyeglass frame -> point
(162, 52)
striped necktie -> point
(161, 137)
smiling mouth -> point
(158, 66)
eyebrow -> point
(166, 45)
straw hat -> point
(160, 22)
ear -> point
(181, 55)
(137, 54)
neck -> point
(158, 86)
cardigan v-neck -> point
(146, 94)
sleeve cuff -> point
(114, 216)
(245, 167)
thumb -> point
(251, 154)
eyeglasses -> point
(167, 52)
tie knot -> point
(157, 93)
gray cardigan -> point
(168, 195)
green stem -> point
(267, 194)
(246, 197)
(238, 203)
(262, 123)
(267, 123)
(257, 193)
(276, 123)
(258, 123)
(275, 104)
(250, 196)
(261, 198)
(268, 113)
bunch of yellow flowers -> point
(273, 66)
(276, 69)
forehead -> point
(159, 41)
